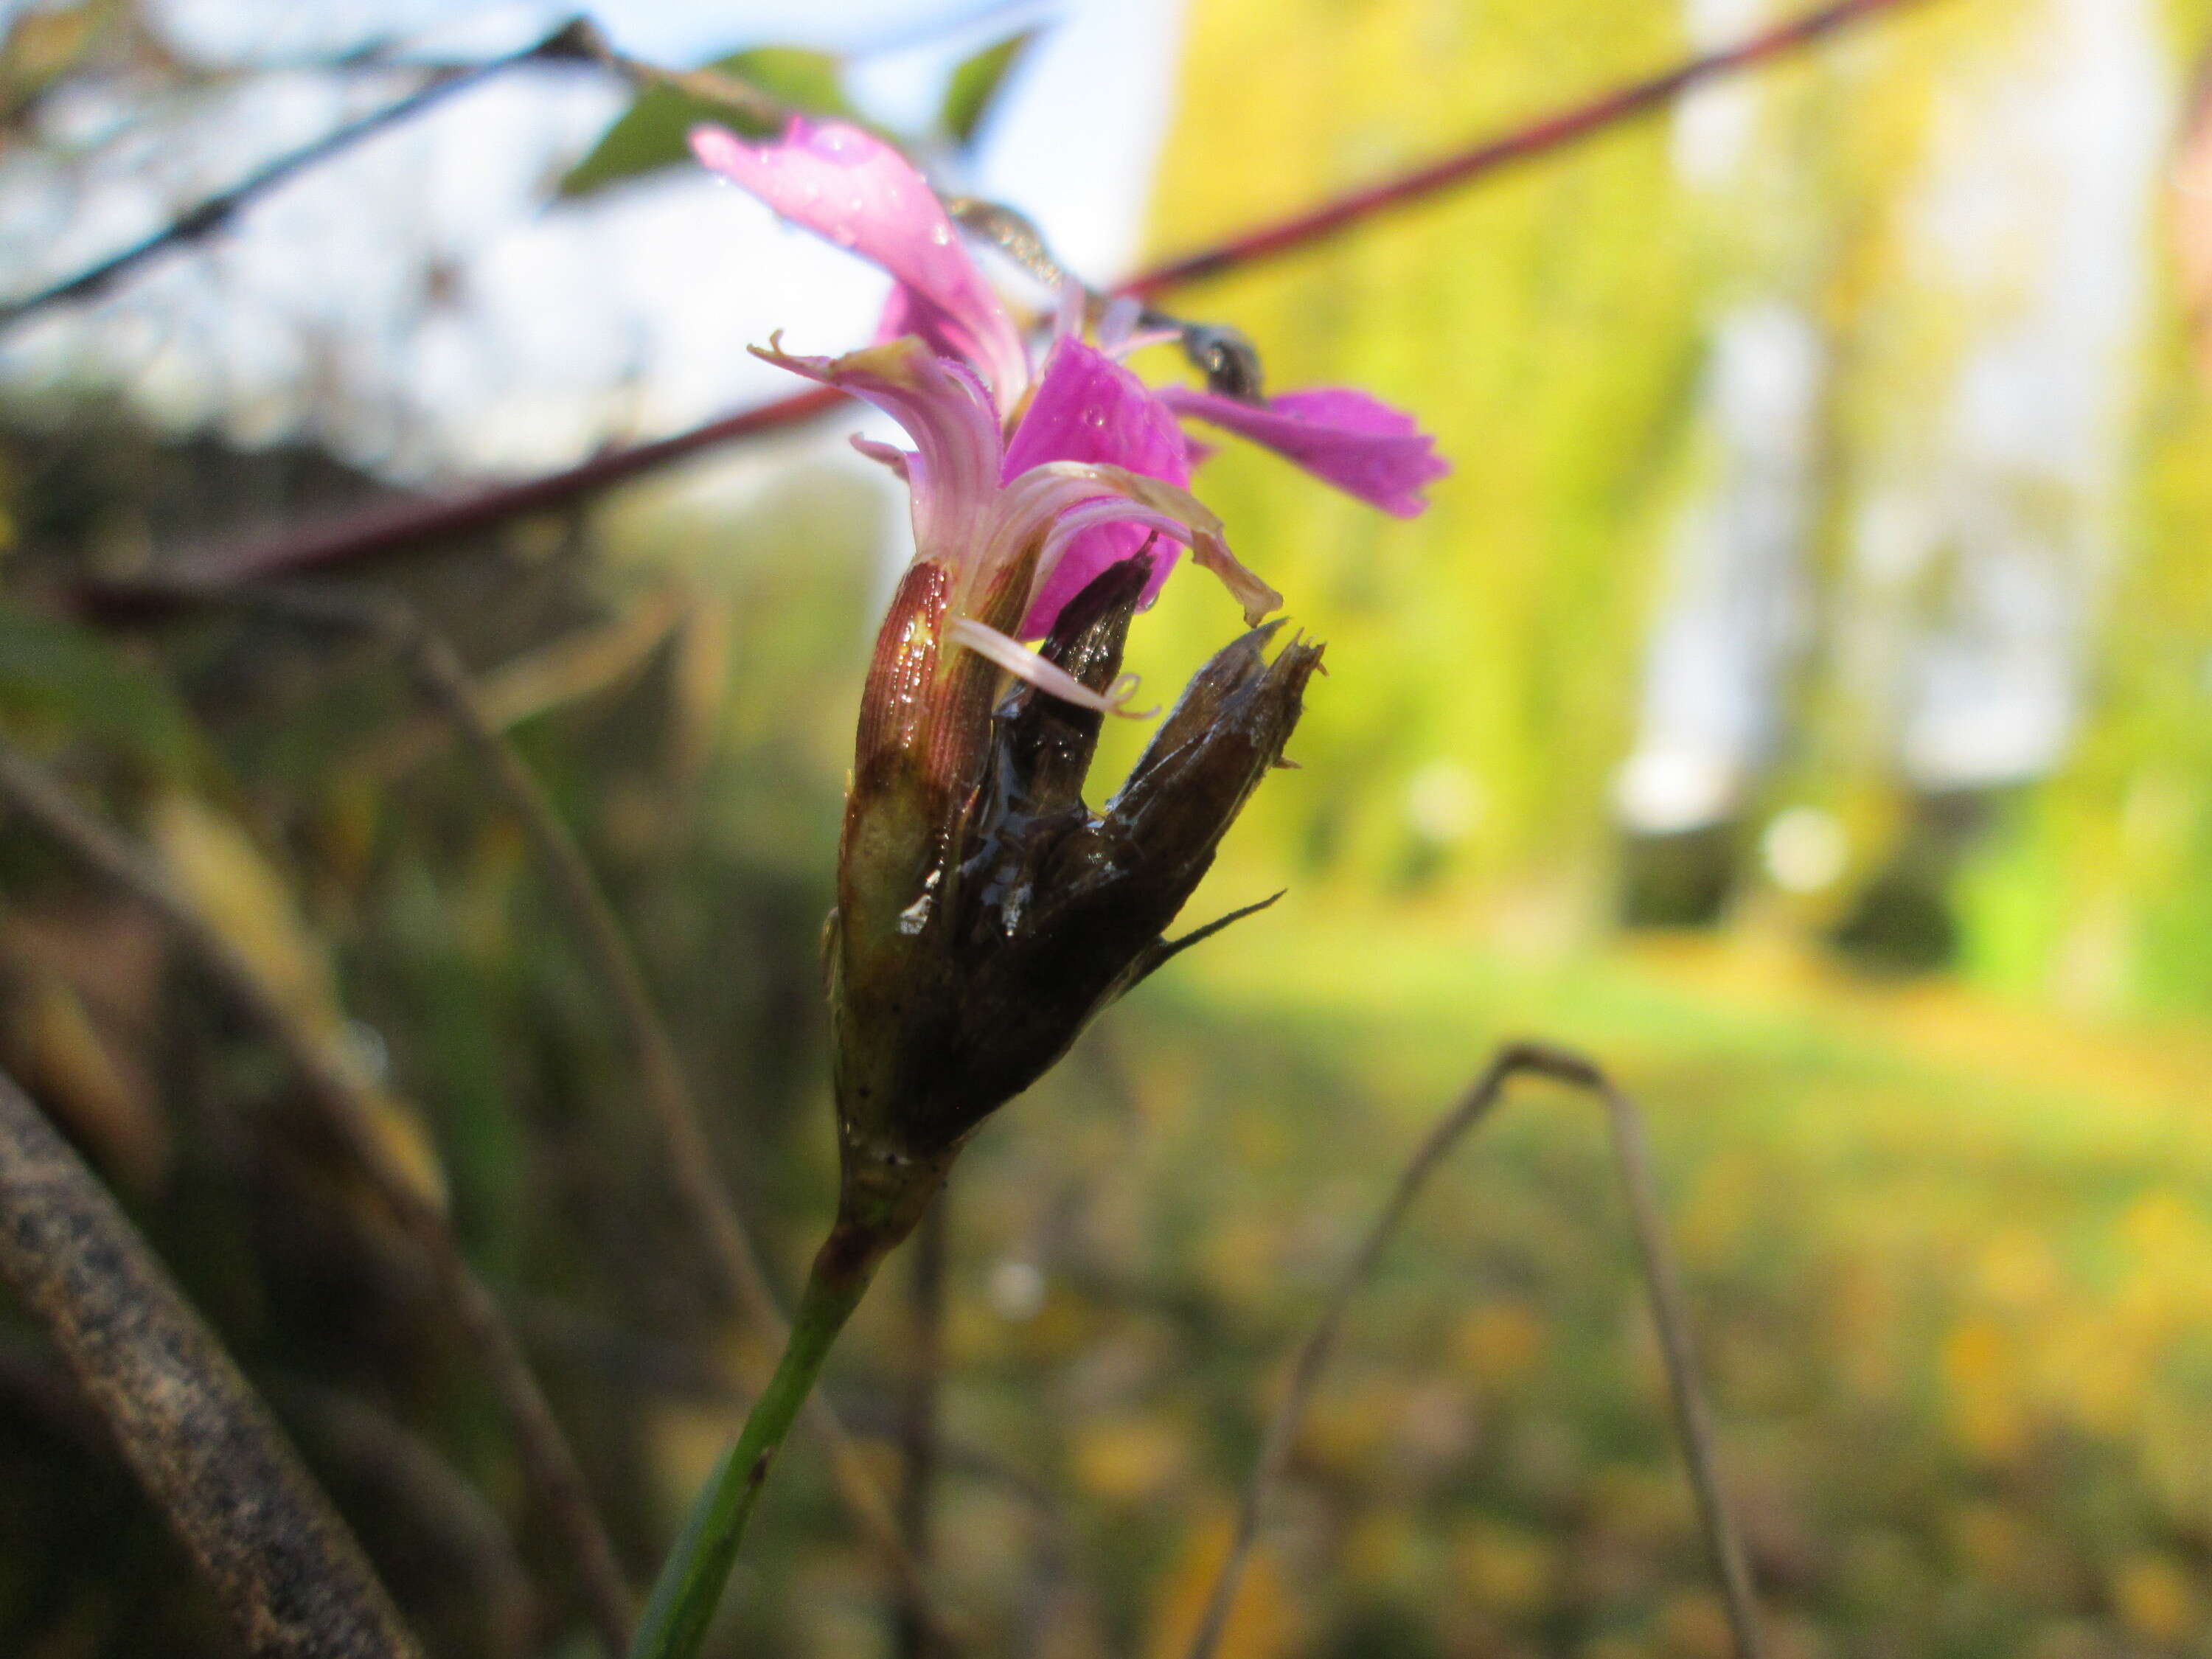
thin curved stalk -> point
(368, 1449)
(606, 951)
(1693, 1418)
(667, 1092)
(547, 1460)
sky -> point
(558, 328)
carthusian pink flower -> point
(984, 911)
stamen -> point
(1026, 665)
(1209, 547)
(1127, 327)
(1211, 553)
(1119, 693)
(1074, 303)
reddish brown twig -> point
(1524, 144)
(280, 1562)
(1692, 1420)
(384, 530)
(316, 546)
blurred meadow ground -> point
(1934, 1131)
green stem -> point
(698, 1565)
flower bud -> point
(985, 912)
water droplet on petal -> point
(941, 234)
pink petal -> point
(1067, 502)
(1364, 447)
(850, 186)
(954, 473)
(1088, 408)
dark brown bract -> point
(986, 913)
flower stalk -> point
(689, 1587)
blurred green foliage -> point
(975, 83)
(650, 136)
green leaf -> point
(976, 84)
(649, 135)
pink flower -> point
(1013, 538)
(859, 192)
